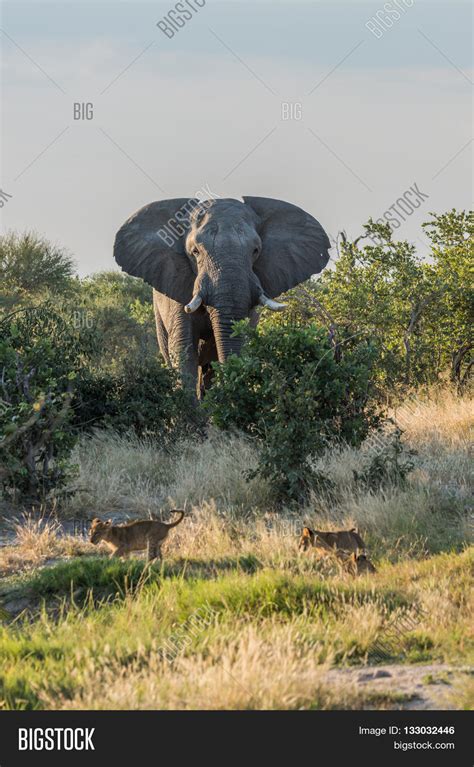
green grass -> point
(102, 576)
(188, 585)
(127, 610)
(114, 576)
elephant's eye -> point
(195, 252)
(256, 252)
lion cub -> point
(133, 536)
(348, 540)
(345, 546)
(362, 564)
(357, 563)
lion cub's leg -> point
(153, 551)
(118, 551)
(150, 551)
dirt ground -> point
(428, 687)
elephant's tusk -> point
(271, 304)
(194, 304)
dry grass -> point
(127, 478)
(462, 694)
(132, 478)
(124, 474)
(37, 541)
(243, 672)
(443, 421)
(284, 618)
(270, 638)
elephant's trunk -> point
(222, 326)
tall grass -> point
(125, 474)
(94, 629)
(126, 477)
(37, 541)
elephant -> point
(213, 262)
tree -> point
(452, 316)
(418, 313)
(121, 311)
(29, 264)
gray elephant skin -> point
(214, 262)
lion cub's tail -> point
(176, 511)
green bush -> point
(390, 464)
(417, 311)
(30, 264)
(41, 354)
(289, 391)
(120, 308)
(50, 391)
(142, 397)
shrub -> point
(288, 390)
(30, 264)
(390, 464)
(40, 355)
(50, 390)
(143, 397)
(417, 310)
(120, 308)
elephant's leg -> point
(177, 338)
(161, 331)
(182, 348)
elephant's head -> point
(223, 256)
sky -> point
(310, 102)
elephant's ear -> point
(151, 245)
(294, 245)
